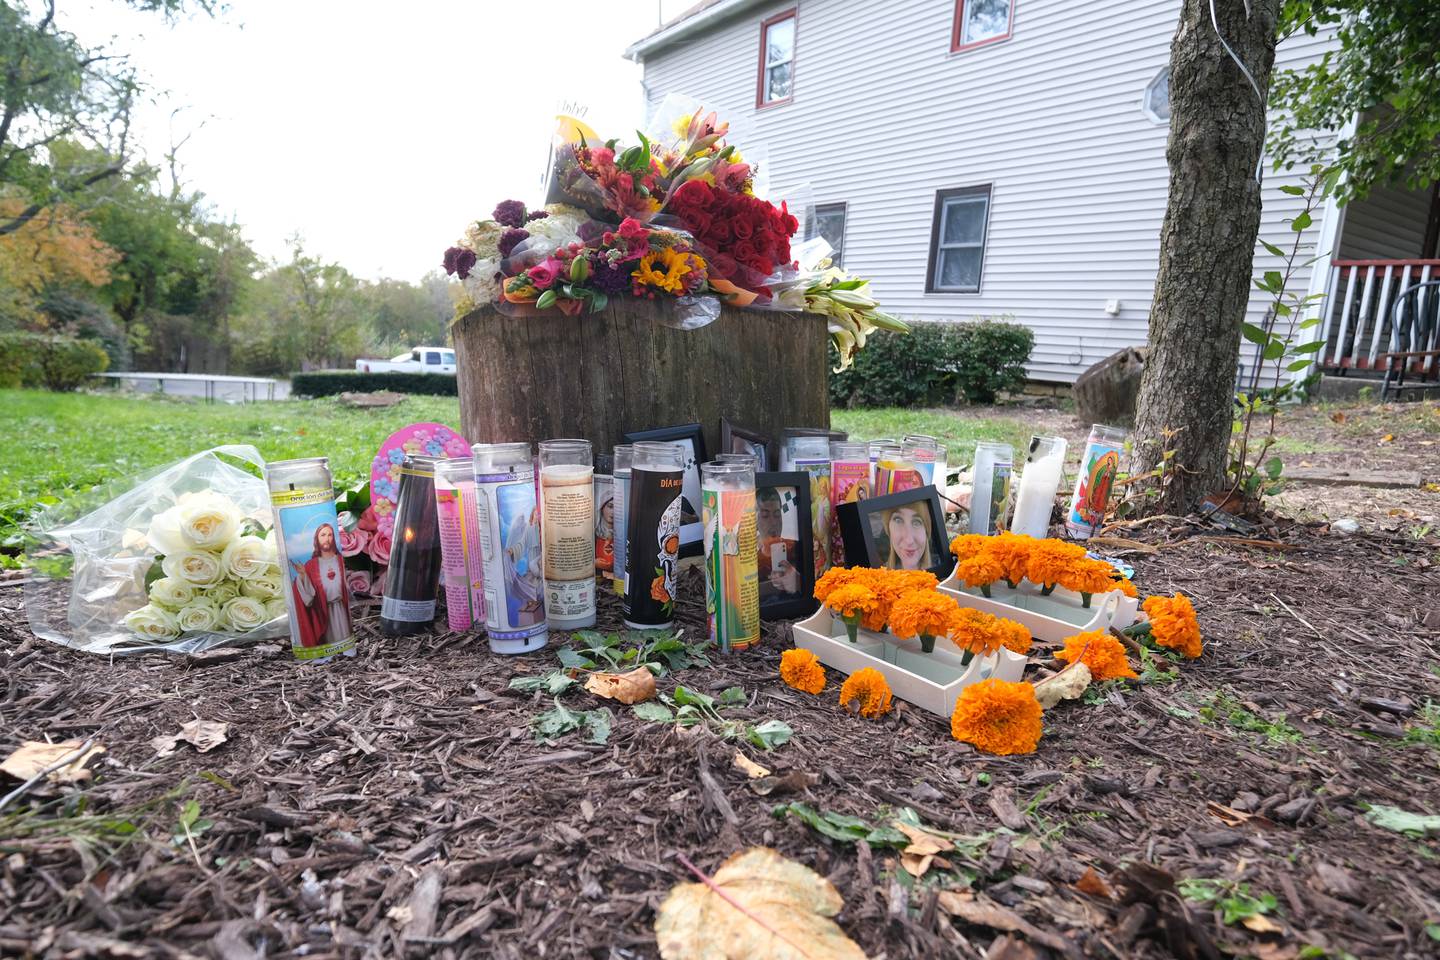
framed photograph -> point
(899, 531)
(785, 542)
(735, 439)
(692, 438)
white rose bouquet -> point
(216, 572)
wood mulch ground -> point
(397, 803)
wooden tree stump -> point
(1108, 391)
(602, 375)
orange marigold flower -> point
(1173, 623)
(1014, 637)
(1012, 552)
(836, 577)
(998, 717)
(969, 545)
(975, 631)
(1089, 576)
(923, 613)
(852, 599)
(1049, 560)
(867, 689)
(1126, 587)
(1101, 652)
(801, 670)
(979, 571)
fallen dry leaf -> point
(987, 913)
(1068, 684)
(34, 756)
(203, 735)
(1388, 438)
(921, 853)
(1259, 923)
(752, 769)
(1338, 416)
(758, 905)
(917, 865)
(637, 686)
(788, 781)
(1227, 815)
(1092, 883)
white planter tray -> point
(1052, 618)
(931, 681)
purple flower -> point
(510, 239)
(536, 215)
(458, 261)
(608, 278)
(590, 230)
(510, 213)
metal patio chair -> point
(1413, 345)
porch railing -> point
(1359, 309)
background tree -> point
(1385, 75)
(54, 90)
(1207, 244)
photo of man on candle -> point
(319, 592)
(777, 541)
(903, 535)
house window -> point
(957, 240)
(981, 21)
(777, 59)
(828, 220)
(1156, 102)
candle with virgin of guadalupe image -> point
(1099, 469)
(849, 482)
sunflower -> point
(801, 670)
(1101, 652)
(1173, 623)
(998, 717)
(867, 689)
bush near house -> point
(936, 364)
(331, 383)
(48, 361)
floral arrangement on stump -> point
(674, 217)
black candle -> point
(414, 575)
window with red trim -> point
(979, 22)
(777, 59)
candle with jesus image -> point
(307, 542)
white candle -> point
(1038, 484)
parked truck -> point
(418, 360)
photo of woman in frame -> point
(903, 534)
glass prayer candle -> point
(567, 532)
(510, 543)
(812, 456)
(876, 448)
(990, 487)
(1099, 468)
(1044, 467)
(604, 515)
(307, 540)
(624, 457)
(413, 579)
(732, 583)
(461, 565)
(849, 482)
(652, 526)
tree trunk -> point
(1207, 247)
(600, 376)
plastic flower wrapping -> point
(679, 215)
(178, 559)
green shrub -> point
(333, 382)
(935, 364)
(48, 361)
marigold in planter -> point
(851, 603)
(1101, 652)
(980, 571)
(837, 577)
(969, 545)
(1173, 623)
(1088, 577)
(975, 631)
(801, 670)
(1014, 637)
(1050, 561)
(997, 717)
(867, 689)
(1127, 588)
(926, 614)
(1012, 552)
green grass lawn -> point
(66, 443)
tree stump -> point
(599, 376)
(1108, 391)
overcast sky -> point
(375, 130)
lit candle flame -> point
(409, 534)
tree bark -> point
(1207, 247)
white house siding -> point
(1389, 224)
(884, 115)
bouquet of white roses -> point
(181, 560)
(217, 570)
